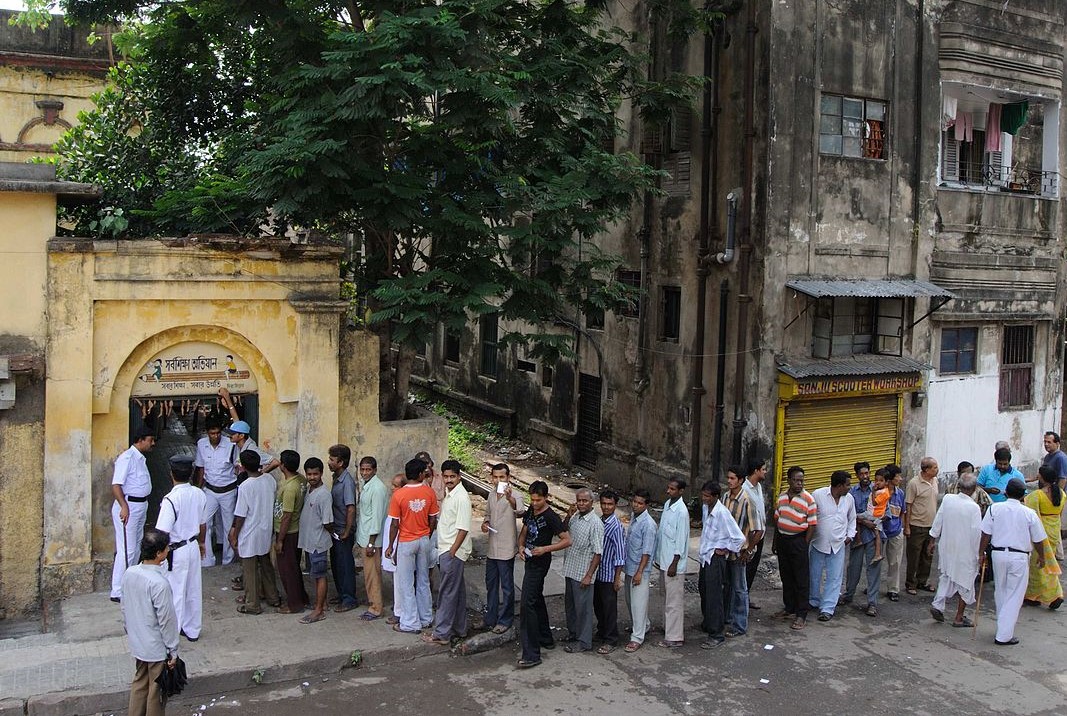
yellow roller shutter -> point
(826, 435)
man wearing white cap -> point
(182, 514)
(240, 433)
(130, 484)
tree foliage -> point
(468, 145)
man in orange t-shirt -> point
(413, 509)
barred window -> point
(1017, 367)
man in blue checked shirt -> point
(609, 576)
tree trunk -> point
(405, 359)
(386, 390)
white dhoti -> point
(221, 505)
(1011, 571)
(946, 589)
(134, 532)
(185, 585)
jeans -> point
(858, 559)
(824, 597)
(499, 592)
(737, 613)
(413, 574)
(343, 565)
(534, 628)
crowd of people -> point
(420, 530)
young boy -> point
(316, 523)
(876, 511)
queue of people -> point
(824, 541)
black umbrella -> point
(172, 680)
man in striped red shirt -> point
(795, 518)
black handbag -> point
(172, 680)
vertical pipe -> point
(720, 379)
(745, 238)
(709, 222)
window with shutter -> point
(950, 158)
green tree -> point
(467, 145)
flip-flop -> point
(392, 620)
(632, 647)
(344, 608)
(963, 624)
(243, 609)
(499, 629)
(911, 591)
(284, 609)
(797, 624)
(311, 620)
(431, 639)
(606, 649)
(240, 599)
(369, 616)
(396, 628)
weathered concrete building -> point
(46, 77)
(857, 254)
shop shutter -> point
(826, 435)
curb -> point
(86, 703)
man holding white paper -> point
(504, 505)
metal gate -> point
(589, 392)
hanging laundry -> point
(964, 128)
(1013, 117)
(948, 111)
(992, 128)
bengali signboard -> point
(194, 368)
(847, 385)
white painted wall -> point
(964, 421)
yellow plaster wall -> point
(28, 221)
(21, 88)
(117, 304)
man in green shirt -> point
(288, 501)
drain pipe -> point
(641, 381)
(720, 379)
(709, 222)
(727, 255)
(745, 239)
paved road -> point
(900, 662)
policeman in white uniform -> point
(1013, 530)
(216, 455)
(130, 485)
(182, 514)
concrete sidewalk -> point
(83, 666)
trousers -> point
(674, 605)
(579, 610)
(451, 619)
(343, 566)
(134, 531)
(894, 555)
(372, 581)
(413, 575)
(859, 559)
(534, 628)
(144, 691)
(499, 592)
(637, 602)
(606, 610)
(737, 611)
(258, 576)
(223, 506)
(1011, 571)
(715, 591)
(824, 596)
(919, 559)
(796, 575)
(296, 595)
(187, 590)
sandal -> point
(240, 599)
(963, 624)
(344, 608)
(244, 609)
(396, 628)
(309, 619)
(237, 584)
(606, 649)
(431, 639)
(392, 620)
(632, 647)
(499, 629)
(911, 591)
(369, 616)
(284, 609)
(797, 624)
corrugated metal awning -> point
(870, 288)
(850, 365)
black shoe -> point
(117, 600)
(1055, 604)
(893, 596)
(523, 664)
(549, 646)
(1031, 603)
(1009, 642)
(825, 617)
(189, 637)
(575, 649)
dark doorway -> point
(178, 423)
(589, 392)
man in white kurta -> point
(183, 514)
(1012, 530)
(957, 529)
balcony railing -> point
(1012, 180)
